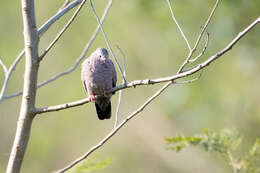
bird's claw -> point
(91, 98)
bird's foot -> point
(91, 98)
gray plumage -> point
(98, 76)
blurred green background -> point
(226, 96)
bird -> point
(98, 76)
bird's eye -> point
(100, 56)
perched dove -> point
(98, 76)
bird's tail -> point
(103, 109)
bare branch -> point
(203, 50)
(188, 81)
(63, 30)
(8, 75)
(124, 63)
(77, 62)
(56, 17)
(115, 130)
(205, 26)
(41, 31)
(107, 42)
(65, 4)
(199, 38)
(120, 92)
(4, 67)
(175, 20)
(178, 75)
(62, 106)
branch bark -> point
(31, 40)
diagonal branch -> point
(179, 27)
(203, 50)
(199, 37)
(115, 130)
(8, 75)
(4, 67)
(57, 16)
(120, 92)
(63, 30)
(205, 26)
(107, 42)
(170, 78)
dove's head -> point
(102, 53)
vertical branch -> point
(120, 92)
(31, 40)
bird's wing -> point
(84, 69)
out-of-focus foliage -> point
(90, 166)
(252, 160)
(225, 143)
(226, 96)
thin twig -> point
(117, 108)
(199, 38)
(63, 106)
(188, 81)
(8, 75)
(120, 92)
(4, 67)
(77, 62)
(66, 2)
(203, 50)
(205, 26)
(182, 74)
(176, 22)
(107, 42)
(57, 16)
(115, 130)
(63, 30)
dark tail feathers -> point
(103, 111)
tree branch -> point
(63, 30)
(120, 92)
(199, 37)
(169, 78)
(3, 66)
(203, 50)
(8, 75)
(56, 17)
(31, 41)
(41, 31)
(179, 27)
